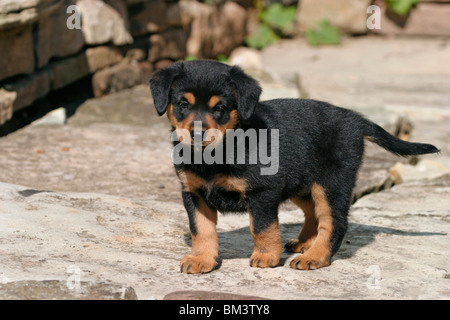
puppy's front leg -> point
(265, 231)
(205, 245)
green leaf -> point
(401, 7)
(325, 34)
(279, 17)
(262, 37)
(190, 58)
(222, 58)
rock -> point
(122, 136)
(56, 44)
(373, 175)
(135, 54)
(8, 6)
(62, 290)
(55, 117)
(216, 30)
(104, 21)
(15, 14)
(348, 15)
(117, 78)
(7, 99)
(162, 64)
(425, 169)
(368, 73)
(29, 88)
(168, 45)
(68, 70)
(17, 52)
(246, 58)
(425, 19)
(402, 232)
(92, 59)
(272, 87)
(180, 13)
(102, 56)
(208, 295)
(98, 197)
(183, 12)
(148, 17)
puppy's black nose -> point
(197, 135)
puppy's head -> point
(204, 98)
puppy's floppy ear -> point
(161, 83)
(248, 92)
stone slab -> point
(368, 74)
(64, 290)
(17, 52)
(396, 247)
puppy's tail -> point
(377, 134)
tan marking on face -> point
(182, 127)
(213, 101)
(190, 97)
(212, 135)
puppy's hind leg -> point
(331, 227)
(309, 230)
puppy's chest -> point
(225, 193)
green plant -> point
(262, 37)
(401, 7)
(279, 17)
(222, 58)
(325, 34)
(190, 58)
(276, 21)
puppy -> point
(222, 136)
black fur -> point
(318, 143)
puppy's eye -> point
(218, 110)
(184, 104)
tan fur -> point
(190, 97)
(309, 230)
(205, 246)
(267, 250)
(213, 101)
(319, 254)
(192, 182)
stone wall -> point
(119, 42)
(427, 18)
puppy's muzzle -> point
(197, 135)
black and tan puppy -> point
(315, 149)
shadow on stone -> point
(238, 243)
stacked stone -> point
(49, 44)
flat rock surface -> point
(396, 247)
(92, 209)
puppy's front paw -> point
(309, 261)
(264, 259)
(198, 264)
(295, 245)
